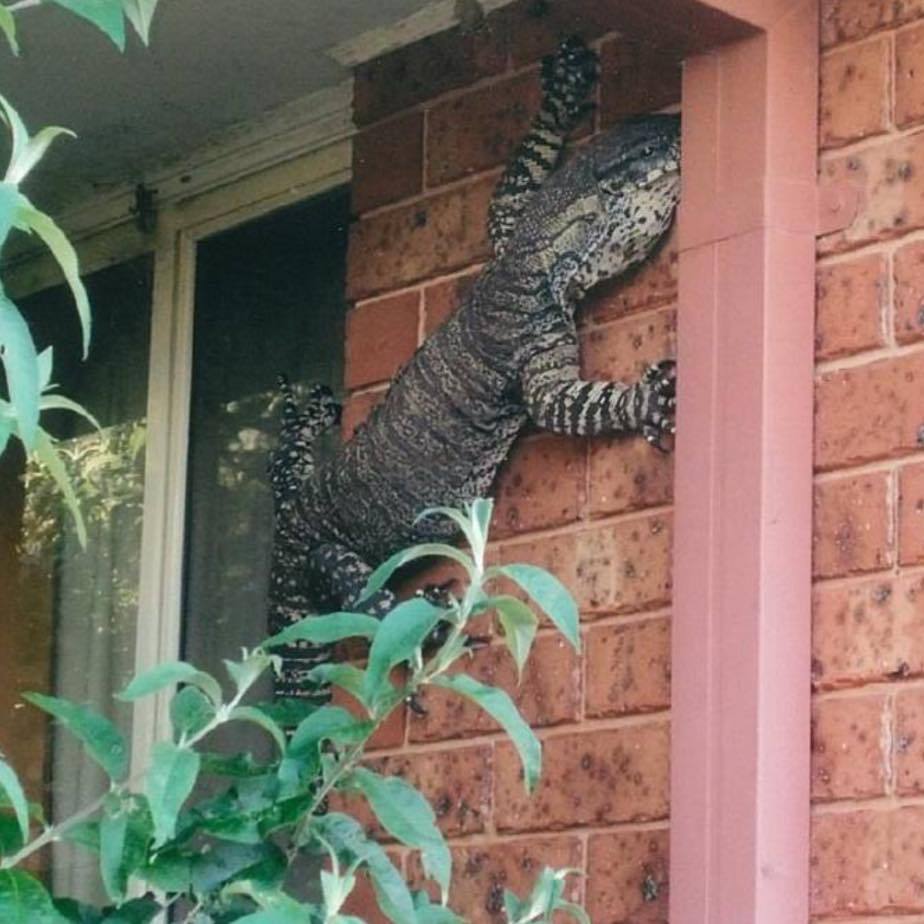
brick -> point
(425, 69)
(868, 631)
(854, 100)
(481, 873)
(443, 298)
(851, 300)
(845, 20)
(541, 484)
(623, 350)
(890, 184)
(635, 77)
(389, 735)
(911, 515)
(627, 877)
(909, 74)
(594, 777)
(381, 336)
(457, 784)
(479, 129)
(868, 861)
(869, 412)
(908, 296)
(387, 162)
(441, 233)
(614, 569)
(848, 759)
(852, 525)
(549, 693)
(627, 474)
(651, 283)
(908, 10)
(362, 901)
(908, 738)
(536, 28)
(628, 668)
(356, 410)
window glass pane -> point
(269, 300)
(72, 618)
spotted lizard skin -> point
(508, 356)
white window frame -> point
(293, 154)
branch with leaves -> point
(226, 857)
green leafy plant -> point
(28, 373)
(227, 856)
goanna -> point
(507, 356)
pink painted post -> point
(742, 556)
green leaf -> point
(551, 595)
(325, 630)
(34, 150)
(265, 864)
(8, 28)
(9, 202)
(106, 15)
(346, 676)
(254, 715)
(124, 834)
(167, 675)
(169, 871)
(240, 766)
(329, 723)
(380, 576)
(277, 916)
(346, 836)
(29, 218)
(190, 711)
(169, 780)
(23, 900)
(136, 911)
(45, 364)
(576, 911)
(502, 709)
(103, 741)
(247, 670)
(62, 403)
(85, 835)
(406, 815)
(11, 839)
(76, 912)
(10, 785)
(47, 454)
(140, 13)
(519, 623)
(20, 363)
(400, 634)
(19, 135)
(428, 913)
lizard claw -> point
(660, 403)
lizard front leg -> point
(558, 399)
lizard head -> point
(607, 209)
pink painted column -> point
(742, 557)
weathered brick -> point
(909, 76)
(890, 183)
(438, 234)
(627, 474)
(854, 93)
(845, 20)
(908, 10)
(623, 349)
(851, 300)
(387, 162)
(911, 515)
(621, 568)
(592, 777)
(653, 282)
(848, 738)
(427, 68)
(481, 873)
(442, 299)
(357, 408)
(635, 77)
(868, 631)
(549, 693)
(628, 668)
(536, 28)
(480, 129)
(868, 861)
(381, 335)
(852, 525)
(627, 877)
(869, 412)
(909, 292)
(908, 738)
(542, 483)
(457, 783)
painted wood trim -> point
(740, 749)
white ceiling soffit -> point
(218, 77)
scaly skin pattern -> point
(507, 356)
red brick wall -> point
(438, 119)
(868, 664)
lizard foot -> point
(659, 400)
(567, 79)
